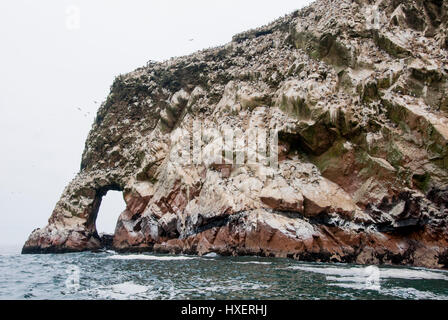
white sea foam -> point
(128, 288)
(254, 262)
(385, 273)
(121, 291)
(346, 279)
(226, 286)
(412, 293)
(211, 255)
(148, 257)
(403, 293)
(355, 278)
(413, 274)
(354, 286)
(331, 271)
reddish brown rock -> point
(356, 92)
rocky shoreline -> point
(357, 92)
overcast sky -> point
(52, 63)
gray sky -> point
(50, 66)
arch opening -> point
(110, 207)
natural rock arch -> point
(72, 225)
(92, 220)
(111, 208)
(364, 130)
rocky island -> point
(356, 92)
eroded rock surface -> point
(358, 93)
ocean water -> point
(108, 275)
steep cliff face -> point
(357, 91)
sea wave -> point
(113, 275)
(385, 273)
(402, 293)
(148, 257)
(121, 291)
(356, 278)
(211, 255)
(254, 262)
